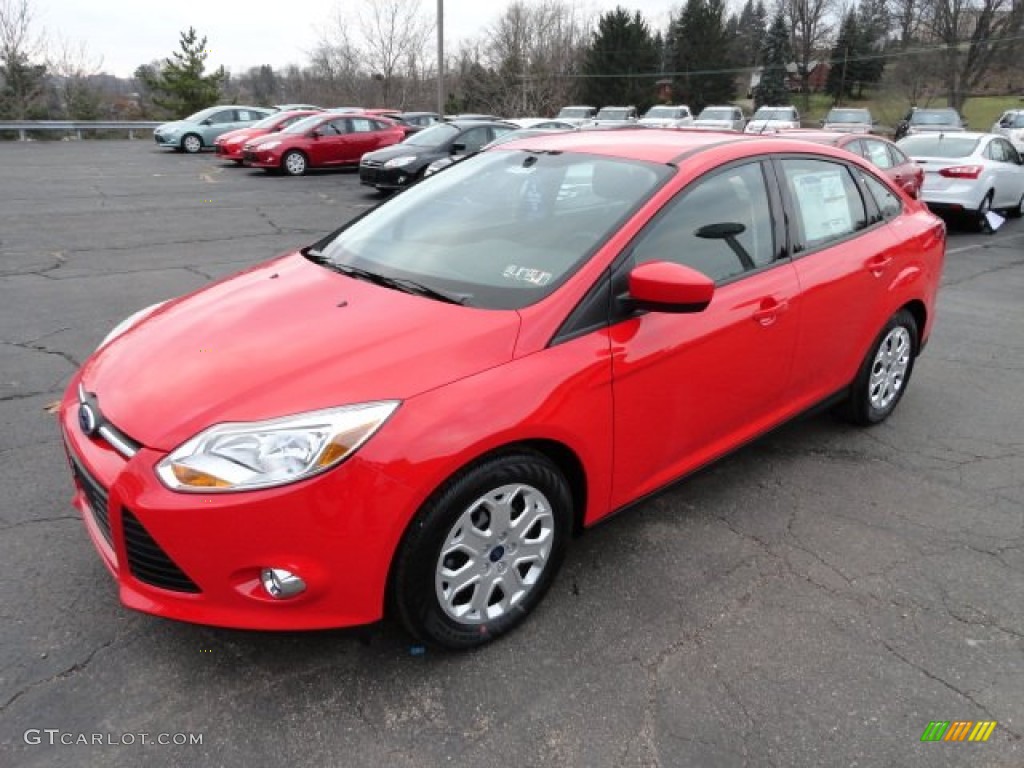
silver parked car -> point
(577, 115)
(202, 129)
(772, 119)
(725, 118)
(614, 116)
(968, 173)
(665, 116)
(846, 120)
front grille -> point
(249, 155)
(148, 562)
(96, 495)
(367, 163)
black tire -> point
(867, 403)
(984, 208)
(418, 580)
(191, 143)
(294, 162)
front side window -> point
(720, 225)
(500, 230)
(877, 153)
(225, 116)
(828, 205)
(887, 201)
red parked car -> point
(323, 140)
(229, 145)
(880, 152)
(420, 409)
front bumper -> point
(167, 141)
(228, 152)
(198, 557)
(376, 175)
(258, 159)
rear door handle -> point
(877, 264)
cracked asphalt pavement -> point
(813, 600)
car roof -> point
(469, 122)
(663, 145)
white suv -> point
(664, 116)
(771, 119)
(1011, 125)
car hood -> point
(935, 129)
(713, 123)
(847, 127)
(174, 125)
(755, 126)
(260, 138)
(400, 150)
(240, 135)
(286, 337)
(658, 121)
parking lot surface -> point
(816, 599)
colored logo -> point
(958, 730)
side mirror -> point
(458, 147)
(206, 122)
(663, 286)
(315, 133)
(821, 122)
(964, 123)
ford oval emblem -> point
(87, 419)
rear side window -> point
(877, 153)
(828, 205)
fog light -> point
(281, 584)
(402, 179)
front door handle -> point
(770, 310)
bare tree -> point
(810, 24)
(394, 33)
(976, 35)
(906, 17)
(22, 80)
(72, 66)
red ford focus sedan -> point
(229, 145)
(325, 140)
(419, 410)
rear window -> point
(775, 114)
(938, 146)
(922, 117)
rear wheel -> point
(983, 211)
(294, 163)
(885, 373)
(483, 551)
(191, 143)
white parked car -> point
(612, 116)
(721, 119)
(577, 115)
(771, 119)
(968, 173)
(664, 116)
(1011, 126)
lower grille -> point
(249, 155)
(96, 495)
(148, 562)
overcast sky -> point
(127, 33)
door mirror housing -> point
(458, 147)
(663, 286)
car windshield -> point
(938, 146)
(716, 114)
(202, 114)
(663, 112)
(923, 117)
(613, 114)
(304, 124)
(848, 116)
(1012, 120)
(575, 112)
(767, 113)
(500, 230)
(270, 120)
(434, 136)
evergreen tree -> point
(873, 20)
(843, 72)
(749, 35)
(702, 54)
(22, 88)
(180, 87)
(622, 48)
(775, 54)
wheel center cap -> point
(497, 553)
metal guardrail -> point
(77, 126)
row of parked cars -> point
(936, 158)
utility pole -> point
(842, 80)
(440, 57)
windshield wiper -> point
(399, 283)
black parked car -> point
(401, 164)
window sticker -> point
(526, 275)
(823, 205)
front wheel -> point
(191, 143)
(983, 211)
(1017, 211)
(483, 551)
(294, 163)
(885, 372)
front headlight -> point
(241, 457)
(267, 146)
(400, 162)
(129, 322)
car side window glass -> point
(291, 120)
(888, 202)
(475, 138)
(218, 118)
(720, 226)
(877, 153)
(361, 125)
(898, 158)
(828, 205)
(334, 128)
(244, 115)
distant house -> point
(817, 76)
